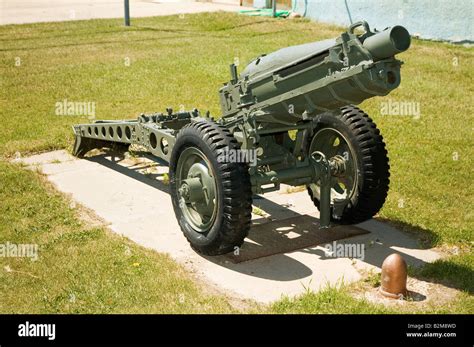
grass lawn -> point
(83, 269)
(181, 62)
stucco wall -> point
(259, 3)
(431, 19)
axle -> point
(151, 131)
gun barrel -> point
(387, 43)
(319, 76)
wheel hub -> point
(197, 189)
(338, 165)
(191, 190)
(343, 166)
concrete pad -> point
(131, 196)
(33, 11)
(288, 235)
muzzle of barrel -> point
(387, 43)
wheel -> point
(360, 192)
(212, 198)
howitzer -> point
(288, 118)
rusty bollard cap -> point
(394, 277)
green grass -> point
(183, 61)
(328, 301)
(457, 272)
(332, 300)
(82, 269)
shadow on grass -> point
(449, 272)
(200, 29)
(135, 27)
(179, 34)
(427, 238)
(79, 44)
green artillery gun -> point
(287, 119)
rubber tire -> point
(372, 161)
(234, 194)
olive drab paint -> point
(272, 108)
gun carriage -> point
(293, 109)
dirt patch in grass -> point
(422, 295)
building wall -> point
(431, 19)
(259, 3)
